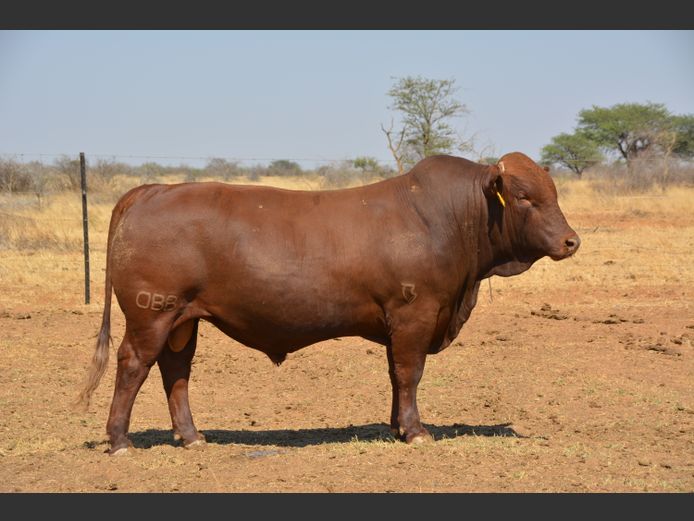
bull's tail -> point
(103, 341)
(100, 358)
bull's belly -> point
(272, 334)
(283, 324)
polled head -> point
(524, 200)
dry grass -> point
(584, 196)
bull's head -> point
(525, 221)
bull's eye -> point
(523, 200)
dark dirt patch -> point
(546, 311)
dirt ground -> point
(575, 376)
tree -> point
(676, 141)
(683, 127)
(426, 106)
(575, 151)
(396, 147)
(631, 129)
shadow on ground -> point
(308, 437)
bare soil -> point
(577, 376)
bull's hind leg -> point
(136, 355)
(175, 364)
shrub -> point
(339, 175)
(14, 177)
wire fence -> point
(206, 158)
(316, 158)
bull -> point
(398, 262)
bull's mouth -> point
(561, 256)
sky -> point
(177, 97)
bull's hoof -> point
(196, 445)
(421, 438)
(195, 440)
(122, 451)
(415, 438)
(120, 447)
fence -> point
(200, 160)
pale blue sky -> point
(315, 94)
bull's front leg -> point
(406, 356)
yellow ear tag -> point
(501, 199)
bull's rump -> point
(308, 263)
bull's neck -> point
(454, 211)
(474, 231)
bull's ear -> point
(546, 168)
(494, 185)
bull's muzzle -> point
(568, 247)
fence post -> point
(85, 226)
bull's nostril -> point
(573, 243)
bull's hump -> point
(442, 160)
(518, 160)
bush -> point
(283, 167)
(102, 176)
(255, 172)
(69, 170)
(222, 169)
(150, 172)
(14, 176)
(339, 175)
(641, 175)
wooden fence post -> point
(85, 226)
